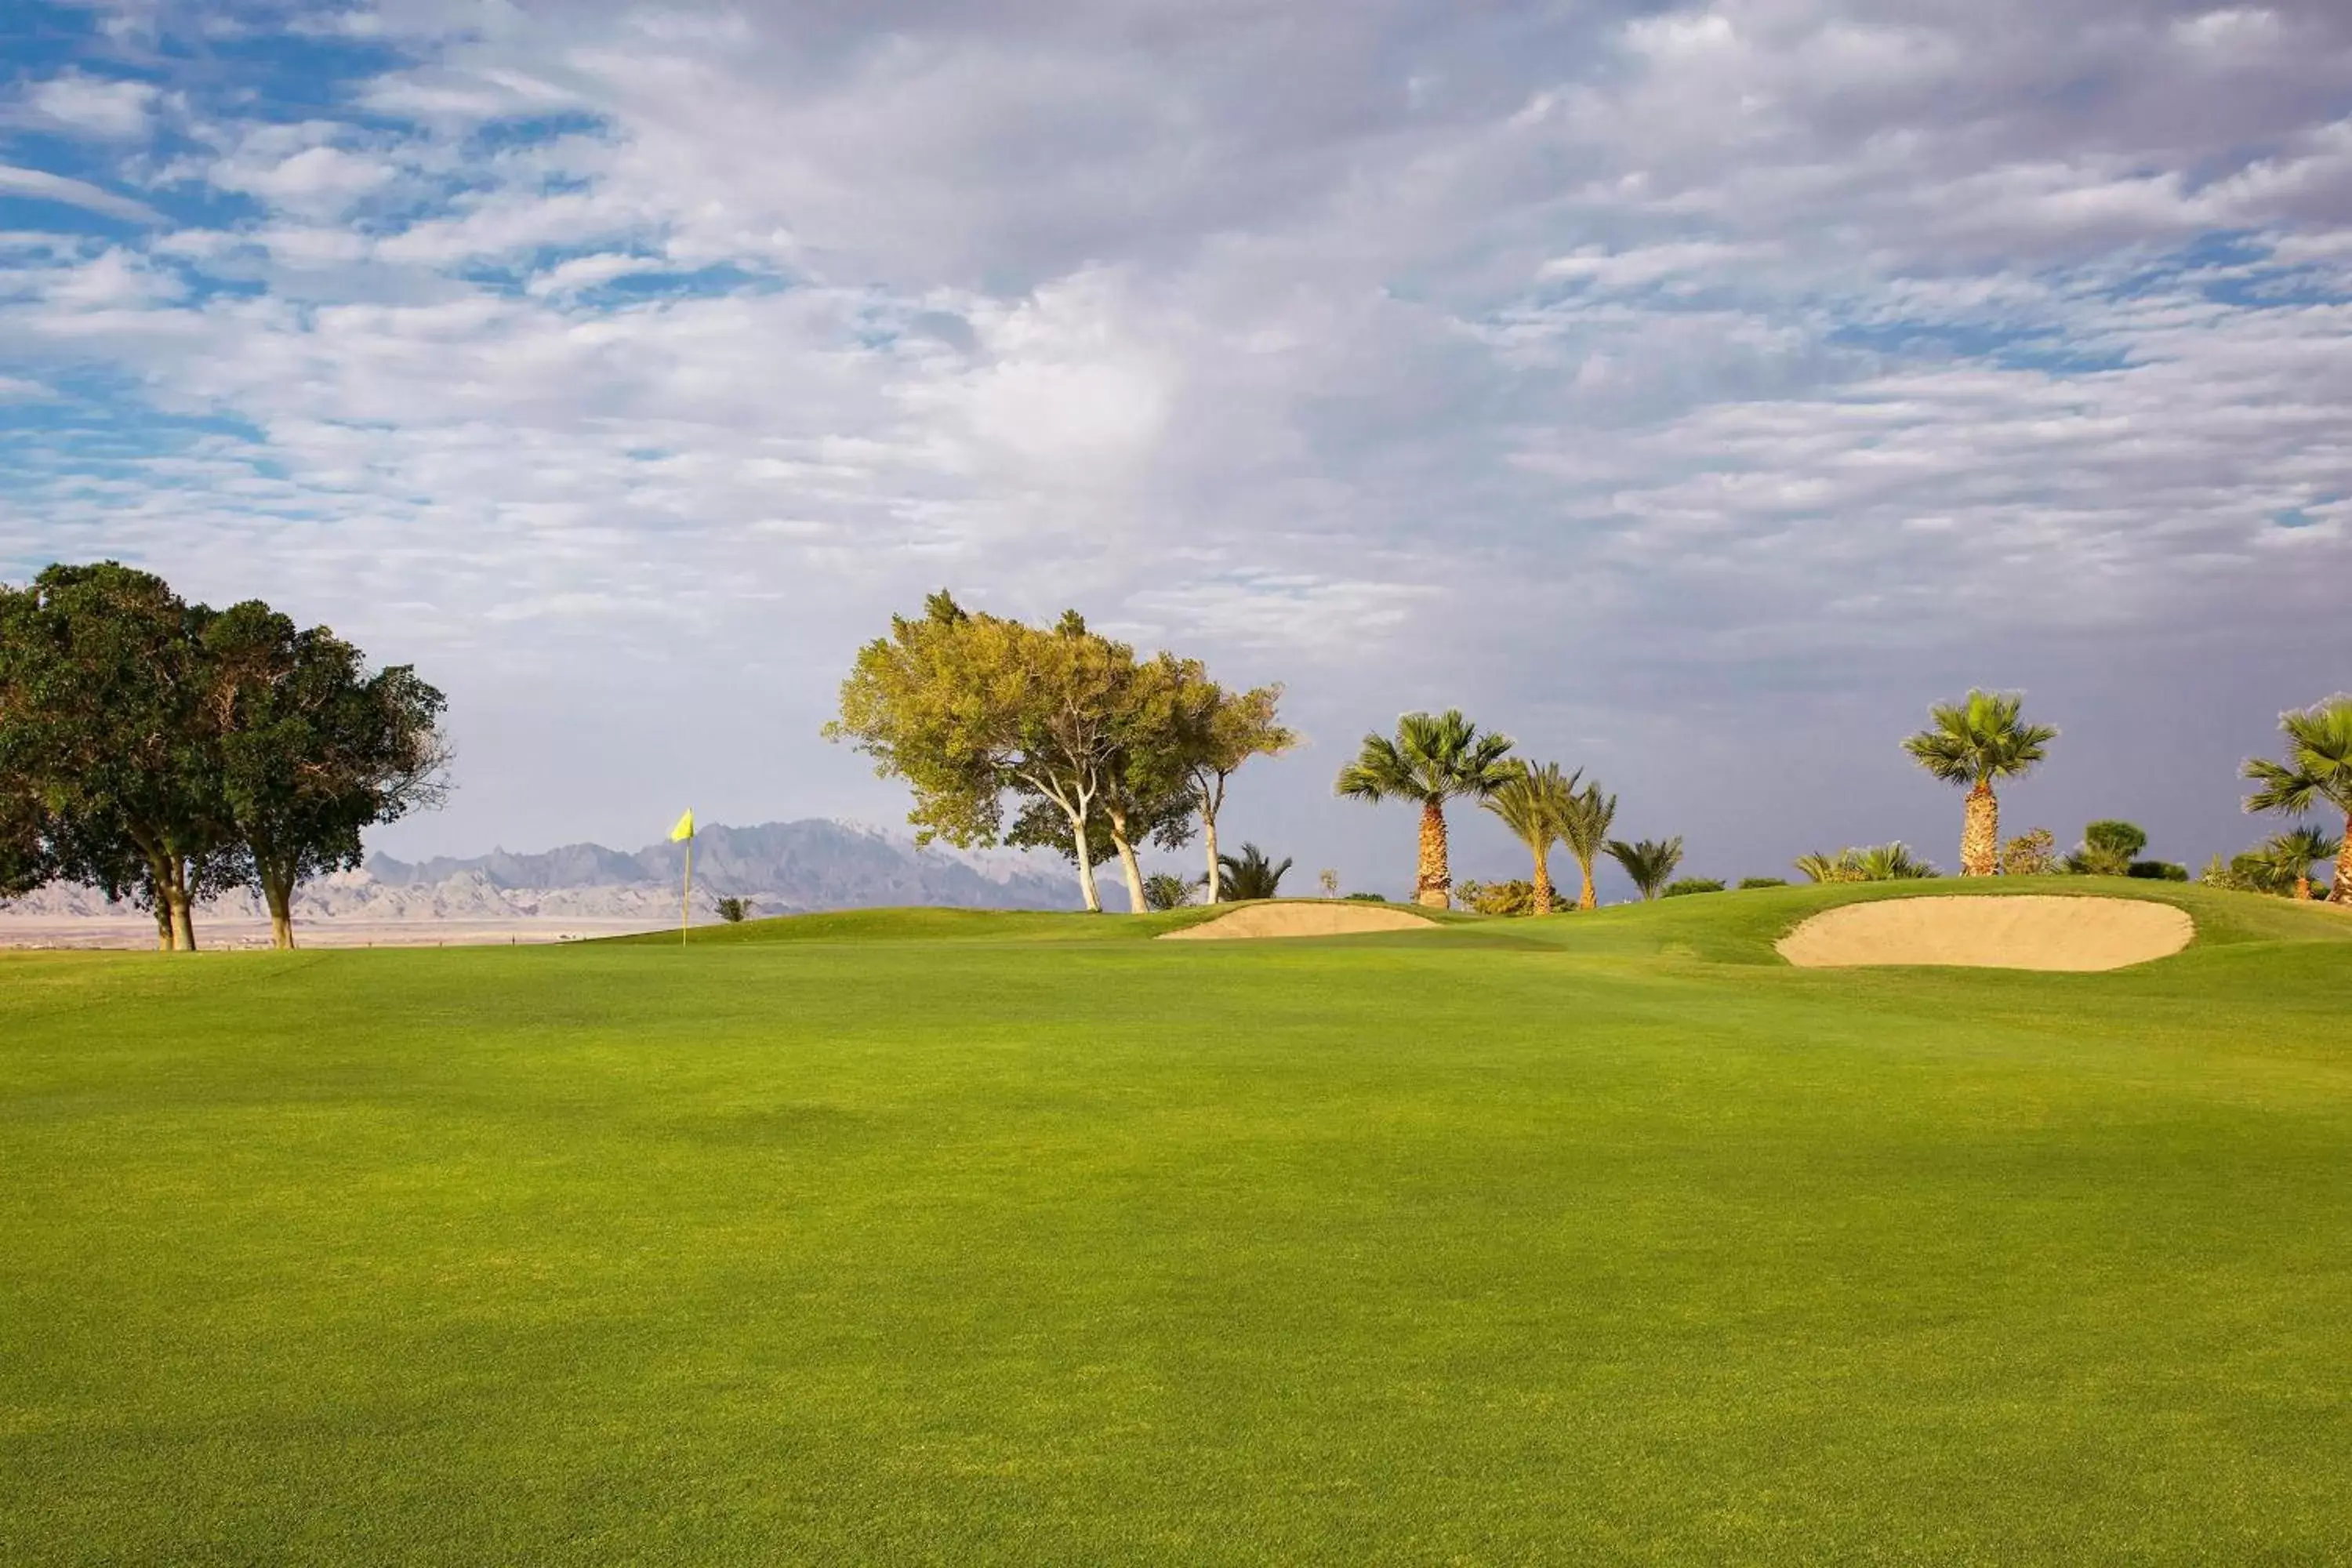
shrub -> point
(2033, 853)
(1364, 898)
(1747, 882)
(1878, 863)
(734, 911)
(2158, 871)
(1682, 885)
(1503, 897)
(1167, 890)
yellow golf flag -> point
(683, 833)
(684, 830)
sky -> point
(1693, 393)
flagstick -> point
(686, 900)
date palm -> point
(1972, 743)
(1650, 864)
(2282, 863)
(1536, 805)
(1585, 831)
(1249, 875)
(1436, 757)
(2318, 773)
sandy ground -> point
(25, 931)
(1301, 920)
(2024, 932)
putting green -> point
(947, 1237)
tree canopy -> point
(165, 751)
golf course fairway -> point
(930, 1236)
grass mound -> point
(930, 1236)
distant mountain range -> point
(780, 868)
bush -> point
(2158, 871)
(1364, 898)
(1167, 890)
(1682, 885)
(1503, 897)
(2107, 850)
(2033, 853)
(734, 911)
(1747, 882)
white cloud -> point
(94, 106)
(40, 186)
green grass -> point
(933, 1237)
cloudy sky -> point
(1694, 392)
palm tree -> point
(2282, 863)
(2317, 771)
(1585, 831)
(1972, 743)
(1650, 864)
(1536, 805)
(1249, 875)
(1433, 758)
(1877, 863)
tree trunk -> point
(163, 924)
(2302, 889)
(1980, 833)
(1086, 866)
(1585, 897)
(1128, 869)
(2341, 893)
(278, 890)
(184, 922)
(1216, 882)
(1433, 887)
(1543, 880)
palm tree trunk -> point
(1585, 897)
(2341, 893)
(1543, 880)
(1433, 888)
(1980, 833)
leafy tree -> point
(1682, 886)
(1250, 875)
(1535, 802)
(1585, 831)
(1167, 890)
(968, 708)
(1971, 743)
(1433, 758)
(1225, 730)
(1649, 863)
(2033, 853)
(734, 911)
(315, 748)
(2107, 850)
(1745, 883)
(102, 723)
(2318, 773)
(1329, 880)
(25, 858)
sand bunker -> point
(2023, 932)
(1301, 920)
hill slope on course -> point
(1608, 1237)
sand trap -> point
(2022, 932)
(1301, 920)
